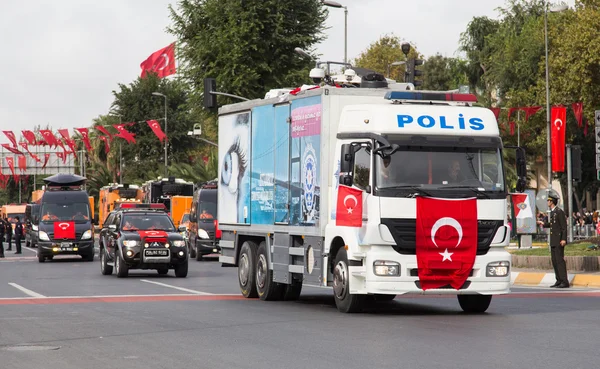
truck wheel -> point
(266, 288)
(474, 304)
(181, 270)
(121, 268)
(344, 300)
(105, 269)
(246, 268)
(163, 271)
(382, 297)
(292, 291)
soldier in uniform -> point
(557, 222)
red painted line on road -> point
(117, 299)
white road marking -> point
(177, 288)
(26, 291)
(116, 296)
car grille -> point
(404, 232)
(77, 236)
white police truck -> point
(330, 187)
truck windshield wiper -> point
(479, 192)
(417, 188)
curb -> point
(543, 279)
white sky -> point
(62, 59)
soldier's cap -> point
(553, 195)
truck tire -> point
(344, 300)
(105, 269)
(246, 268)
(474, 304)
(381, 297)
(181, 270)
(121, 268)
(292, 291)
(267, 289)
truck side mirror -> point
(521, 169)
(347, 158)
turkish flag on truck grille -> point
(64, 230)
(446, 241)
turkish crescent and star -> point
(451, 222)
(352, 197)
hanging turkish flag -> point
(578, 111)
(558, 129)
(510, 111)
(446, 240)
(155, 126)
(123, 133)
(12, 149)
(46, 158)
(29, 136)
(105, 131)
(11, 137)
(64, 230)
(62, 156)
(496, 112)
(530, 110)
(49, 137)
(161, 62)
(106, 145)
(67, 138)
(22, 163)
(11, 164)
(86, 138)
(349, 207)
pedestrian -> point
(18, 235)
(9, 231)
(557, 222)
(1, 238)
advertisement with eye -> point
(234, 178)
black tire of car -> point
(192, 251)
(122, 268)
(344, 300)
(181, 270)
(105, 269)
(474, 304)
(163, 271)
(246, 268)
(41, 258)
(267, 289)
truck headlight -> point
(202, 234)
(34, 227)
(179, 243)
(497, 269)
(86, 235)
(43, 236)
(130, 243)
(386, 268)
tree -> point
(441, 73)
(247, 46)
(382, 53)
(135, 103)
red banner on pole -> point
(123, 133)
(558, 130)
(46, 158)
(161, 62)
(12, 149)
(11, 137)
(578, 111)
(30, 137)
(22, 163)
(86, 137)
(155, 126)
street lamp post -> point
(166, 137)
(335, 4)
(554, 9)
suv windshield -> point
(155, 222)
(207, 210)
(78, 212)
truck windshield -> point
(12, 217)
(78, 212)
(439, 168)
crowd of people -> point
(585, 224)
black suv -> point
(139, 238)
(203, 230)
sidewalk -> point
(545, 278)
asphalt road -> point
(64, 314)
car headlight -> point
(497, 269)
(130, 243)
(179, 243)
(202, 234)
(34, 227)
(87, 235)
(43, 236)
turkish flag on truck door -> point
(349, 207)
(446, 241)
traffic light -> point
(576, 163)
(210, 100)
(412, 71)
